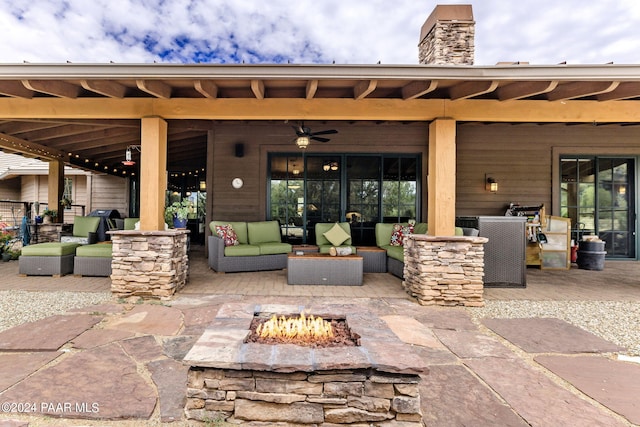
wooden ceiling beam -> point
(311, 89)
(155, 87)
(14, 88)
(206, 88)
(519, 90)
(107, 88)
(468, 90)
(417, 89)
(58, 88)
(625, 90)
(363, 89)
(62, 131)
(257, 87)
(580, 90)
(31, 149)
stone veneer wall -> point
(448, 43)
(149, 264)
(298, 398)
(445, 270)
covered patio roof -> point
(87, 114)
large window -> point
(361, 189)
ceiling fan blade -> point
(325, 132)
(299, 130)
(317, 138)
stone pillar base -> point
(445, 271)
(149, 264)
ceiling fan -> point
(304, 135)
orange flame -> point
(288, 329)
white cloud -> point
(305, 31)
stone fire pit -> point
(284, 383)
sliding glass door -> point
(597, 193)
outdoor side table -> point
(374, 259)
(322, 269)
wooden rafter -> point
(206, 88)
(519, 90)
(257, 87)
(625, 90)
(31, 149)
(311, 89)
(14, 88)
(470, 89)
(155, 87)
(58, 88)
(107, 88)
(363, 89)
(580, 90)
(417, 89)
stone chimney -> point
(447, 36)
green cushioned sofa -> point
(260, 247)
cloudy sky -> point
(309, 31)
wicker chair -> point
(84, 230)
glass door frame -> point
(562, 153)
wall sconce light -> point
(490, 184)
(203, 185)
(128, 159)
(302, 142)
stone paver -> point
(98, 337)
(613, 383)
(149, 319)
(549, 335)
(537, 399)
(142, 349)
(101, 383)
(468, 344)
(170, 378)
(16, 366)
(411, 331)
(46, 334)
(452, 396)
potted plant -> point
(5, 239)
(66, 202)
(177, 212)
(38, 218)
(49, 215)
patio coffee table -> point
(322, 269)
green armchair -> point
(84, 230)
(325, 233)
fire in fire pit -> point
(308, 331)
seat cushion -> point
(263, 232)
(130, 223)
(395, 252)
(50, 249)
(274, 248)
(98, 250)
(242, 250)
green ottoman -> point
(93, 260)
(47, 259)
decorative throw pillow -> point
(228, 234)
(399, 233)
(336, 235)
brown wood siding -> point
(249, 202)
(521, 159)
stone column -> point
(149, 264)
(445, 271)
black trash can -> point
(591, 255)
